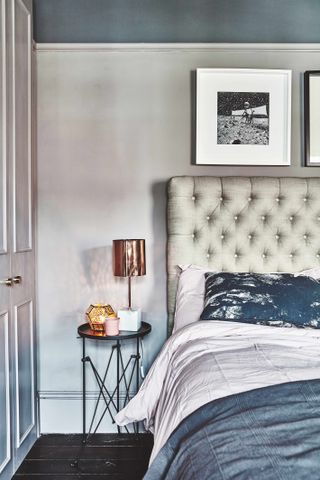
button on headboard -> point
(257, 224)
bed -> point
(233, 395)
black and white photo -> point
(243, 118)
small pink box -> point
(111, 326)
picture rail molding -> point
(162, 47)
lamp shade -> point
(129, 258)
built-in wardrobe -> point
(17, 238)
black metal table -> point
(125, 375)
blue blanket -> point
(269, 433)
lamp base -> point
(130, 319)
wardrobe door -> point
(22, 256)
(5, 390)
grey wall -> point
(113, 126)
(177, 21)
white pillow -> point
(190, 295)
(191, 290)
(311, 272)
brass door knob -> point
(17, 279)
(8, 282)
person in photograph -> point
(247, 113)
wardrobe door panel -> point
(22, 181)
(5, 417)
(24, 370)
(3, 130)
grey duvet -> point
(267, 433)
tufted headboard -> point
(257, 224)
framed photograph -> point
(312, 118)
(243, 117)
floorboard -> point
(108, 456)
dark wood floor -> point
(105, 456)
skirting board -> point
(61, 412)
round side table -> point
(125, 375)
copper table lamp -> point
(129, 260)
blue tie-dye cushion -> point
(266, 299)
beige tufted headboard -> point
(258, 224)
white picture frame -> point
(312, 118)
(228, 132)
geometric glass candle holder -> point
(97, 314)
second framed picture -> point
(243, 117)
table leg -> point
(137, 373)
(118, 380)
(83, 390)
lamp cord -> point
(129, 291)
(142, 373)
